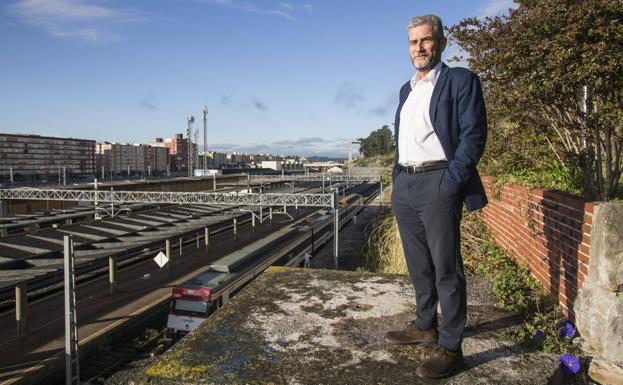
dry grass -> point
(383, 252)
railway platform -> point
(309, 326)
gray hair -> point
(433, 20)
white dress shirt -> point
(417, 141)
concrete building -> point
(287, 164)
(157, 160)
(178, 152)
(36, 158)
(132, 159)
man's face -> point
(425, 51)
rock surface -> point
(605, 372)
(605, 268)
(599, 319)
(304, 326)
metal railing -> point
(209, 198)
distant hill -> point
(324, 159)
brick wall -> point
(547, 231)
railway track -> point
(51, 283)
(125, 348)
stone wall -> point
(599, 307)
(547, 231)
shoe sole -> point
(411, 342)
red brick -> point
(588, 219)
(575, 202)
(581, 278)
(586, 229)
(584, 249)
(589, 207)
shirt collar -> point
(432, 76)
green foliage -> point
(551, 70)
(523, 157)
(379, 142)
(518, 292)
(375, 161)
(384, 162)
(550, 177)
(548, 340)
(512, 283)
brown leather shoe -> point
(442, 363)
(412, 335)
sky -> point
(284, 77)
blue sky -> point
(283, 76)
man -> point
(441, 129)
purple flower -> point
(566, 330)
(570, 363)
(538, 336)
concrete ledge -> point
(303, 326)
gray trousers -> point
(429, 223)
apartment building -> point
(37, 158)
(132, 159)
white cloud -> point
(349, 95)
(386, 109)
(62, 9)
(85, 20)
(309, 146)
(283, 10)
(255, 104)
(148, 102)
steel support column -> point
(112, 274)
(206, 240)
(72, 365)
(21, 308)
(4, 208)
(167, 252)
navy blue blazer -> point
(457, 111)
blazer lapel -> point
(441, 80)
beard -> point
(424, 62)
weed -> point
(540, 332)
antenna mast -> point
(205, 140)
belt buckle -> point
(418, 169)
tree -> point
(379, 142)
(554, 67)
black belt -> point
(424, 168)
